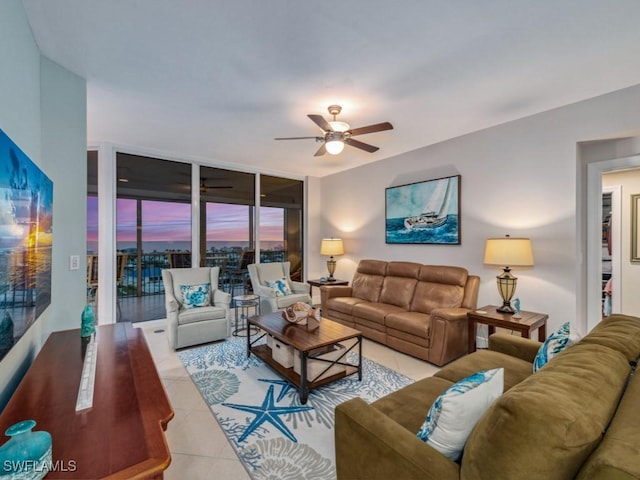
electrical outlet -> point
(74, 262)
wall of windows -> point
(157, 225)
(281, 217)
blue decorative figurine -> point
(88, 324)
(516, 305)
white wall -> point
(518, 178)
(43, 110)
(64, 158)
(629, 181)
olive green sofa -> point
(577, 417)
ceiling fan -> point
(210, 184)
(337, 134)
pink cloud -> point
(170, 221)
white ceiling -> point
(220, 79)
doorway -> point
(611, 247)
(596, 169)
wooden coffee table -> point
(310, 343)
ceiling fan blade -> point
(361, 145)
(296, 138)
(378, 127)
(321, 151)
(321, 122)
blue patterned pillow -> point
(281, 287)
(195, 295)
(456, 411)
(553, 345)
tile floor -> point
(199, 449)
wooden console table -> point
(122, 435)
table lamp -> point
(331, 247)
(508, 252)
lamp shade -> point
(507, 251)
(331, 246)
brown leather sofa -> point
(417, 309)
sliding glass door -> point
(281, 232)
(153, 229)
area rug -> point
(274, 435)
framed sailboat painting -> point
(424, 212)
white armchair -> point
(191, 326)
(264, 274)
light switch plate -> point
(74, 262)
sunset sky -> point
(167, 221)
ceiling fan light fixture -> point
(339, 126)
(337, 133)
(334, 147)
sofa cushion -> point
(371, 446)
(399, 283)
(372, 267)
(555, 343)
(515, 369)
(407, 343)
(403, 269)
(374, 312)
(367, 281)
(342, 304)
(398, 291)
(413, 323)
(201, 314)
(288, 300)
(428, 296)
(618, 455)
(514, 346)
(454, 413)
(620, 332)
(546, 426)
(446, 275)
(409, 405)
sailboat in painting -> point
(435, 211)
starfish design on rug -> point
(286, 386)
(267, 412)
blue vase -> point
(27, 454)
(88, 324)
(6, 334)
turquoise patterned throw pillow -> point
(553, 345)
(195, 295)
(281, 287)
(456, 411)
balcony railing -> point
(145, 277)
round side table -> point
(245, 305)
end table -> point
(488, 315)
(319, 283)
(243, 303)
